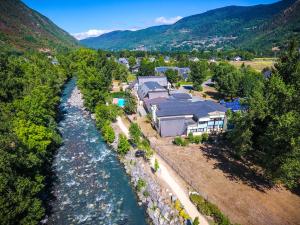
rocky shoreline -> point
(157, 202)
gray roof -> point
(181, 96)
(149, 86)
(197, 109)
(162, 80)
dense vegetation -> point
(267, 133)
(29, 94)
(23, 28)
(258, 28)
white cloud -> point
(90, 33)
(164, 20)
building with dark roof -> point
(151, 90)
(181, 117)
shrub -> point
(108, 132)
(135, 133)
(123, 145)
(140, 184)
(191, 137)
(180, 141)
(184, 215)
(205, 137)
(146, 194)
(209, 209)
(196, 221)
(156, 165)
(197, 139)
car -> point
(131, 142)
(140, 153)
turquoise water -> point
(121, 102)
(91, 185)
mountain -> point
(247, 27)
(22, 28)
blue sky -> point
(86, 18)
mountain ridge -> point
(23, 28)
(227, 27)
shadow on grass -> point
(236, 170)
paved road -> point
(167, 175)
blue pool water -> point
(121, 102)
(91, 186)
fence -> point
(178, 171)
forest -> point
(29, 95)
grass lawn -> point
(131, 77)
(258, 63)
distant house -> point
(124, 62)
(167, 59)
(135, 69)
(151, 59)
(173, 117)
(194, 59)
(55, 61)
(183, 72)
(237, 58)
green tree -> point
(172, 76)
(132, 61)
(123, 145)
(135, 133)
(108, 132)
(199, 72)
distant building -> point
(135, 69)
(151, 59)
(55, 61)
(183, 72)
(124, 62)
(167, 59)
(194, 59)
(237, 58)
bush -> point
(156, 165)
(140, 184)
(135, 133)
(108, 132)
(197, 139)
(196, 221)
(106, 112)
(184, 215)
(180, 141)
(209, 209)
(205, 137)
(191, 137)
(123, 145)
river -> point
(91, 186)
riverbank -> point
(168, 179)
(91, 186)
(157, 199)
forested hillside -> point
(22, 28)
(257, 28)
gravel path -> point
(167, 175)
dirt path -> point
(169, 177)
